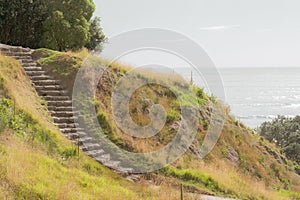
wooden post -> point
(191, 81)
(14, 108)
(181, 192)
(78, 146)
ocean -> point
(256, 95)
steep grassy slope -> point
(242, 164)
(37, 162)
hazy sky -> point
(235, 33)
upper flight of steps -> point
(60, 106)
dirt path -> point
(207, 197)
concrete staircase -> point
(60, 107)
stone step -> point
(55, 108)
(68, 130)
(21, 57)
(63, 114)
(19, 49)
(35, 68)
(74, 136)
(124, 170)
(90, 146)
(35, 73)
(48, 87)
(112, 164)
(46, 82)
(26, 61)
(4, 49)
(95, 153)
(66, 120)
(52, 92)
(71, 136)
(9, 53)
(39, 78)
(33, 64)
(60, 103)
(57, 98)
(103, 158)
(87, 139)
(65, 125)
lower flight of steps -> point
(60, 107)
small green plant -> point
(224, 152)
(196, 177)
(5, 113)
(172, 115)
(205, 124)
(297, 169)
(134, 110)
(102, 119)
(69, 152)
(144, 106)
(199, 92)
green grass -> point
(199, 180)
(37, 162)
(32, 174)
(253, 177)
(58, 62)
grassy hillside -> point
(242, 164)
(37, 162)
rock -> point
(133, 177)
(232, 155)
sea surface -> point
(256, 95)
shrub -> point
(5, 113)
(172, 115)
(69, 152)
(102, 119)
(195, 177)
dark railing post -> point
(181, 192)
(78, 146)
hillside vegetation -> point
(59, 25)
(38, 163)
(284, 132)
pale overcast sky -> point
(235, 33)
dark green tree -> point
(59, 25)
(97, 38)
(67, 27)
(285, 133)
(21, 22)
(56, 34)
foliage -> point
(4, 114)
(102, 119)
(172, 115)
(37, 162)
(67, 26)
(96, 35)
(21, 22)
(59, 25)
(285, 133)
(23, 125)
(58, 62)
(194, 177)
(31, 171)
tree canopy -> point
(285, 133)
(55, 24)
